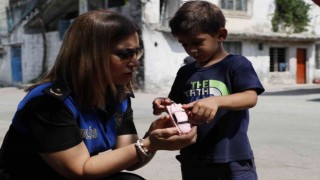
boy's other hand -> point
(159, 105)
(201, 111)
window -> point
(317, 56)
(167, 10)
(278, 60)
(236, 5)
(233, 47)
(242, 8)
(2, 52)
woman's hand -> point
(169, 139)
(160, 123)
(163, 136)
(159, 105)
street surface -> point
(284, 132)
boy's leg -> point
(242, 170)
(203, 172)
(239, 170)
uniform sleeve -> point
(245, 77)
(51, 124)
(127, 125)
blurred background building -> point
(31, 32)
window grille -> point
(278, 60)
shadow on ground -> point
(315, 100)
(295, 92)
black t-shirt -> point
(51, 127)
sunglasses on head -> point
(128, 54)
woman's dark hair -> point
(83, 62)
(195, 17)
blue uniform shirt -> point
(97, 136)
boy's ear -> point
(223, 33)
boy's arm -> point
(238, 101)
(205, 109)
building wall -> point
(32, 54)
(53, 45)
(5, 71)
(314, 26)
(258, 58)
(258, 20)
(33, 51)
(15, 39)
(3, 18)
(163, 61)
(3, 55)
(163, 57)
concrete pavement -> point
(284, 132)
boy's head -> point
(199, 27)
(195, 17)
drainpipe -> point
(83, 6)
(44, 57)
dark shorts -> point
(237, 170)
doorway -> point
(301, 65)
(16, 67)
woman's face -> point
(124, 59)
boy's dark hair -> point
(195, 17)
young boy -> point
(217, 90)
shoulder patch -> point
(58, 91)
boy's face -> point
(202, 46)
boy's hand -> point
(201, 111)
(159, 105)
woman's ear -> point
(223, 33)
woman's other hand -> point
(163, 136)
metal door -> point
(16, 67)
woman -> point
(69, 121)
